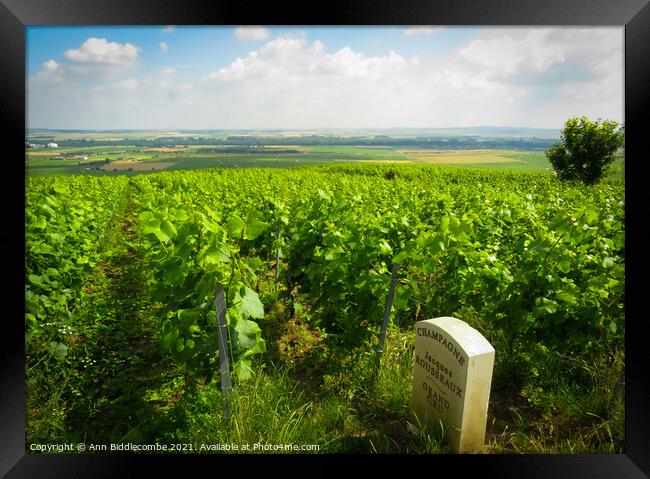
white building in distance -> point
(52, 145)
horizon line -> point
(301, 129)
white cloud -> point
(508, 56)
(566, 71)
(99, 51)
(169, 29)
(95, 59)
(533, 51)
(51, 66)
(171, 90)
(494, 78)
(128, 85)
(252, 33)
(422, 30)
(290, 57)
(51, 74)
(163, 47)
(499, 76)
(290, 81)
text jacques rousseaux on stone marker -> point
(452, 375)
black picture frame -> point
(15, 15)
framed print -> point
(395, 231)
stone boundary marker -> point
(452, 375)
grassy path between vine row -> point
(122, 367)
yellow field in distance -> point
(465, 157)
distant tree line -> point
(249, 149)
(438, 142)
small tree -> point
(586, 149)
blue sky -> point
(102, 77)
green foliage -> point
(586, 149)
(192, 251)
(537, 262)
(532, 259)
(65, 221)
(520, 249)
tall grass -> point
(354, 410)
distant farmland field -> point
(128, 159)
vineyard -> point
(121, 326)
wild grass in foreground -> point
(348, 413)
(564, 406)
(355, 411)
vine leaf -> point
(250, 304)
